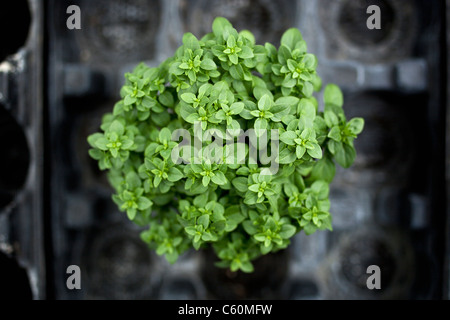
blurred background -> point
(389, 209)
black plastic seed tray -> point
(389, 209)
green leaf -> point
(165, 135)
(289, 82)
(333, 95)
(190, 41)
(266, 249)
(131, 213)
(117, 127)
(142, 116)
(306, 112)
(310, 61)
(300, 151)
(151, 149)
(307, 89)
(192, 118)
(187, 112)
(101, 143)
(241, 184)
(204, 221)
(219, 25)
(219, 178)
(289, 188)
(206, 180)
(133, 180)
(234, 59)
(316, 152)
(345, 156)
(208, 237)
(287, 156)
(247, 267)
(260, 91)
(174, 175)
(334, 146)
(331, 119)
(247, 34)
(335, 133)
(95, 154)
(188, 97)
(260, 124)
(261, 237)
(166, 99)
(324, 169)
(309, 229)
(284, 53)
(192, 76)
(287, 231)
(208, 64)
(291, 38)
(237, 107)
(231, 41)
(204, 89)
(190, 230)
(327, 223)
(201, 200)
(235, 218)
(293, 124)
(255, 113)
(128, 101)
(288, 103)
(249, 106)
(118, 108)
(114, 153)
(243, 171)
(237, 72)
(356, 125)
(278, 112)
(93, 138)
(292, 65)
(288, 137)
(246, 53)
(254, 187)
(265, 103)
(220, 115)
(321, 189)
(144, 203)
(196, 244)
(156, 181)
(249, 227)
(127, 144)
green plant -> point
(244, 209)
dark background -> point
(389, 209)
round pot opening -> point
(119, 265)
(119, 30)
(15, 284)
(15, 20)
(15, 158)
(353, 19)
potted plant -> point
(224, 145)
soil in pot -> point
(265, 282)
